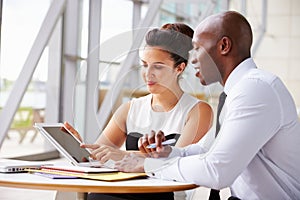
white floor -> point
(25, 194)
(11, 148)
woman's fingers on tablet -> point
(73, 131)
(69, 127)
(90, 146)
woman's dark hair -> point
(175, 38)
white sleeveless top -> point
(142, 119)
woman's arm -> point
(199, 121)
(114, 134)
(108, 144)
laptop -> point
(69, 146)
(14, 166)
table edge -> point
(96, 189)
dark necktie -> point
(222, 99)
(214, 194)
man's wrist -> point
(175, 152)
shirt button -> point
(152, 174)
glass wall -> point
(21, 21)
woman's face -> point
(158, 70)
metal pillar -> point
(262, 27)
(53, 84)
(91, 129)
(70, 65)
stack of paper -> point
(103, 174)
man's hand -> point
(131, 163)
(157, 138)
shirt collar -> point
(238, 73)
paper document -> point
(78, 169)
(102, 176)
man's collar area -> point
(237, 73)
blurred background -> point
(77, 60)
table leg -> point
(70, 196)
(81, 196)
(65, 195)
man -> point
(256, 152)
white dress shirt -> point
(257, 151)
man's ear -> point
(225, 45)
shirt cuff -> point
(176, 152)
(163, 169)
(151, 166)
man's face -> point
(203, 58)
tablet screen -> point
(68, 142)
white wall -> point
(279, 51)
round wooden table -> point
(146, 185)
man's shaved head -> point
(231, 24)
(226, 39)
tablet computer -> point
(67, 144)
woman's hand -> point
(104, 153)
(73, 131)
(157, 138)
(131, 163)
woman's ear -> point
(180, 68)
(225, 45)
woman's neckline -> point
(164, 109)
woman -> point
(167, 108)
